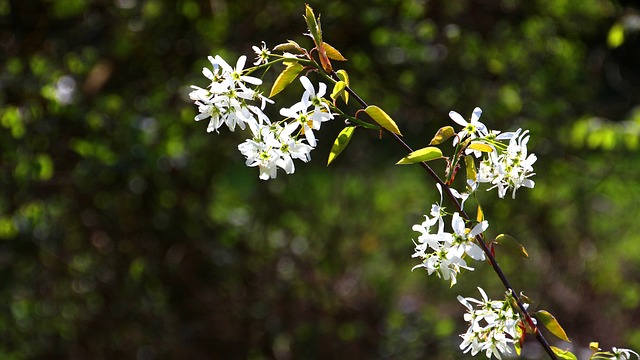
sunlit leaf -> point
(521, 336)
(316, 33)
(425, 154)
(340, 143)
(333, 53)
(594, 346)
(550, 322)
(511, 245)
(476, 145)
(517, 347)
(286, 77)
(480, 215)
(342, 74)
(442, 135)
(563, 354)
(383, 119)
(338, 90)
(470, 166)
(289, 46)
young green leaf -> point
(340, 143)
(476, 145)
(289, 46)
(338, 90)
(383, 119)
(425, 154)
(511, 245)
(316, 33)
(563, 354)
(312, 25)
(550, 322)
(521, 335)
(343, 76)
(442, 135)
(470, 166)
(333, 53)
(286, 77)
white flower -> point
(310, 97)
(261, 155)
(235, 74)
(262, 54)
(444, 262)
(437, 211)
(289, 148)
(442, 253)
(623, 354)
(228, 100)
(464, 239)
(302, 118)
(473, 128)
(492, 326)
(510, 169)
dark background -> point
(127, 231)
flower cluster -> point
(444, 252)
(504, 166)
(494, 325)
(232, 99)
(228, 100)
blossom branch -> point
(479, 239)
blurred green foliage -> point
(127, 231)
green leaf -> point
(383, 119)
(563, 354)
(550, 322)
(338, 90)
(425, 154)
(476, 145)
(342, 75)
(333, 53)
(286, 77)
(442, 135)
(470, 166)
(511, 245)
(314, 29)
(615, 37)
(316, 33)
(289, 46)
(340, 143)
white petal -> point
(477, 112)
(457, 224)
(457, 118)
(307, 84)
(220, 61)
(240, 63)
(475, 252)
(207, 73)
(322, 88)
